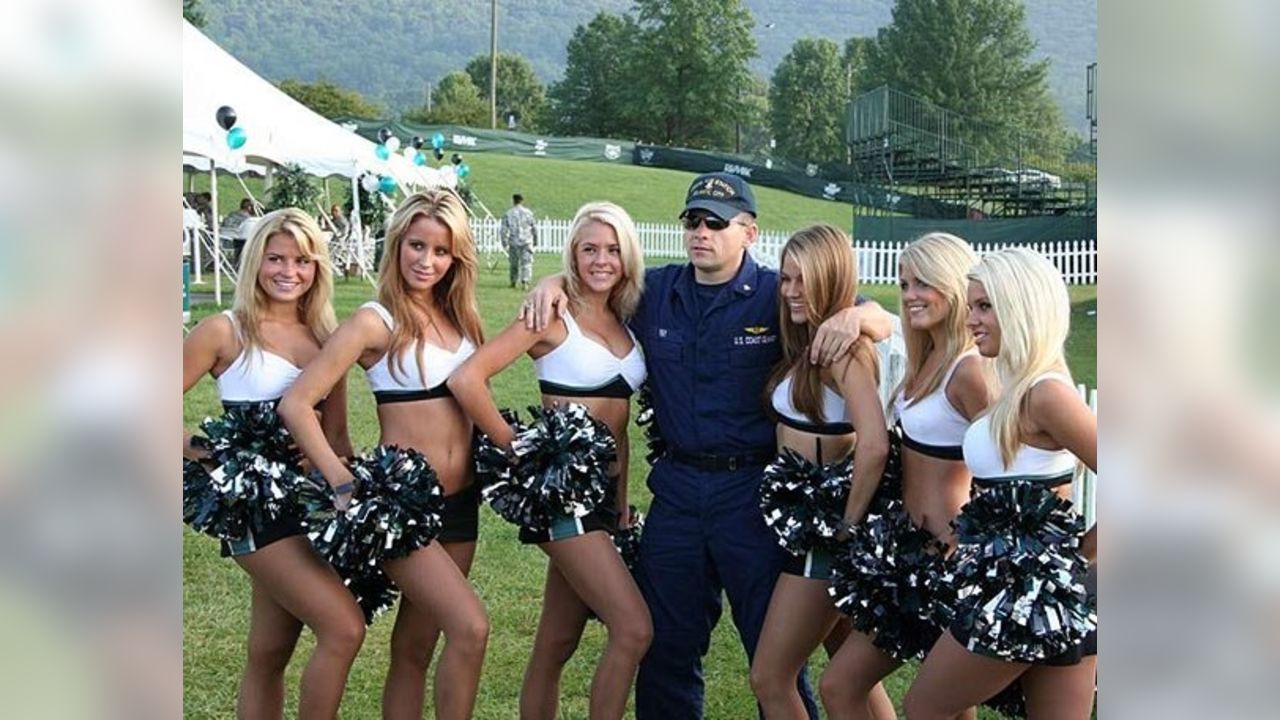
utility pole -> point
(493, 66)
(428, 96)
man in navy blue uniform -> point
(709, 331)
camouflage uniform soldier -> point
(519, 233)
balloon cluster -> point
(236, 136)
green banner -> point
(460, 139)
(810, 181)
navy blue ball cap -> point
(722, 194)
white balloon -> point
(409, 152)
(392, 143)
(369, 183)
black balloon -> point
(417, 142)
(384, 134)
(226, 117)
(439, 154)
(456, 159)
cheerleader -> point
(825, 415)
(943, 389)
(589, 358)
(423, 325)
(280, 317)
(1022, 611)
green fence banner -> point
(785, 176)
(461, 139)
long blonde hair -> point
(941, 261)
(454, 294)
(1031, 305)
(829, 270)
(315, 307)
(625, 295)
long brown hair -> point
(454, 294)
(315, 307)
(829, 269)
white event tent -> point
(279, 129)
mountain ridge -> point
(353, 45)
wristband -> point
(345, 488)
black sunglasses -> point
(691, 222)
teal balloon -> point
(419, 159)
(464, 170)
(236, 138)
(381, 151)
(387, 184)
(437, 141)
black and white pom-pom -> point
(373, 590)
(887, 579)
(396, 508)
(803, 502)
(560, 468)
(646, 419)
(243, 486)
(495, 466)
(627, 540)
(1019, 576)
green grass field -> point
(557, 188)
(507, 576)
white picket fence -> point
(877, 261)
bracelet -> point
(345, 488)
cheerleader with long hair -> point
(943, 389)
(826, 415)
(280, 317)
(1023, 611)
(424, 324)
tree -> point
(855, 65)
(807, 98)
(972, 57)
(455, 101)
(331, 100)
(292, 188)
(689, 71)
(192, 13)
(590, 100)
(754, 132)
(519, 89)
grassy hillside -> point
(557, 188)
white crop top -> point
(408, 384)
(932, 425)
(255, 375)
(982, 455)
(834, 411)
(582, 367)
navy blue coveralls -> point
(705, 532)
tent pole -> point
(217, 236)
(355, 222)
